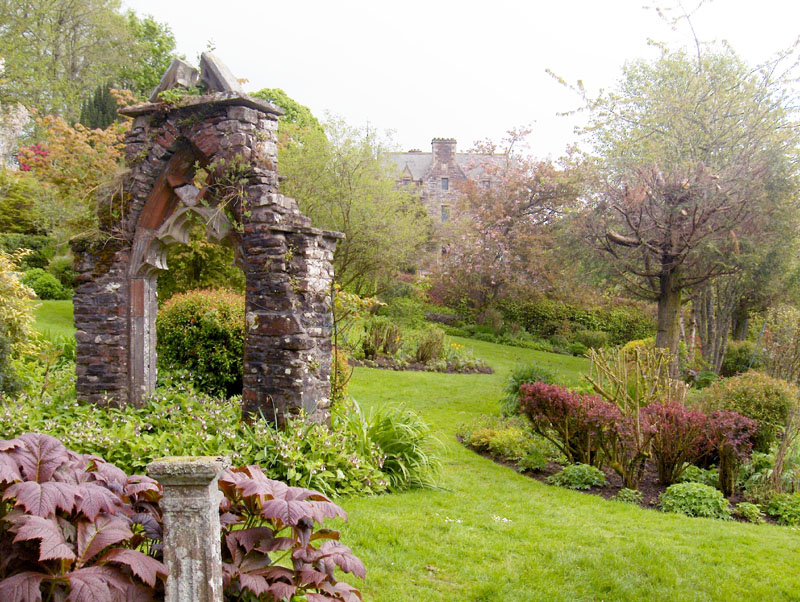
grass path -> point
(453, 544)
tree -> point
(99, 111)
(293, 111)
(500, 240)
(343, 182)
(686, 148)
(58, 51)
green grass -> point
(54, 318)
(448, 544)
(560, 545)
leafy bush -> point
(578, 349)
(32, 274)
(508, 439)
(408, 311)
(677, 438)
(731, 436)
(381, 336)
(40, 249)
(592, 339)
(528, 373)
(341, 371)
(705, 378)
(573, 422)
(578, 476)
(695, 499)
(82, 510)
(430, 345)
(758, 396)
(740, 357)
(785, 507)
(749, 512)
(46, 286)
(16, 317)
(61, 268)
(203, 332)
(629, 496)
(695, 474)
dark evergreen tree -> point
(100, 110)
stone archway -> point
(287, 263)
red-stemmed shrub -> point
(625, 443)
(573, 422)
(731, 435)
(678, 437)
(73, 527)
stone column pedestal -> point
(190, 509)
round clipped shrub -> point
(629, 496)
(758, 396)
(749, 512)
(46, 286)
(695, 499)
(578, 476)
(203, 332)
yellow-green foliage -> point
(755, 395)
(16, 310)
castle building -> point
(437, 174)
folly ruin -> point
(202, 148)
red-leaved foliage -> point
(730, 430)
(577, 419)
(73, 527)
(678, 437)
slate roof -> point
(418, 164)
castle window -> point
(445, 184)
(445, 213)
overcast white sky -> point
(462, 69)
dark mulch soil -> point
(388, 363)
(649, 486)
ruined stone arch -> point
(287, 263)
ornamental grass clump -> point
(528, 373)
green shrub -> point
(758, 396)
(41, 248)
(695, 474)
(749, 512)
(510, 440)
(32, 274)
(629, 496)
(705, 378)
(61, 268)
(47, 286)
(578, 349)
(528, 373)
(380, 336)
(695, 499)
(741, 356)
(203, 332)
(430, 345)
(785, 507)
(593, 339)
(408, 311)
(578, 476)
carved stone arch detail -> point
(287, 263)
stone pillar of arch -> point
(287, 263)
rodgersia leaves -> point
(53, 545)
(23, 587)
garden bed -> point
(389, 363)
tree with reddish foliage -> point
(501, 236)
(677, 437)
(730, 435)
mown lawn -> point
(453, 544)
(54, 318)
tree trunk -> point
(741, 322)
(669, 309)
